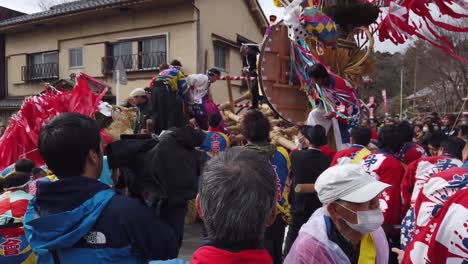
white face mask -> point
(425, 129)
(368, 221)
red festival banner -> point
(384, 97)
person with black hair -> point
(306, 166)
(385, 166)
(434, 142)
(463, 134)
(13, 205)
(410, 151)
(78, 218)
(250, 52)
(169, 92)
(199, 94)
(335, 85)
(360, 138)
(216, 141)
(255, 127)
(24, 165)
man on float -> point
(334, 84)
(250, 52)
(199, 94)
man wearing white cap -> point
(347, 229)
(141, 101)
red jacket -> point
(327, 151)
(346, 153)
(412, 151)
(418, 172)
(210, 254)
(386, 168)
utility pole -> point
(401, 92)
(414, 84)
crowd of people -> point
(396, 194)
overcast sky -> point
(30, 6)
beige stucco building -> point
(90, 36)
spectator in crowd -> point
(199, 94)
(374, 125)
(463, 132)
(236, 221)
(25, 165)
(306, 166)
(385, 166)
(448, 125)
(410, 151)
(143, 104)
(435, 119)
(428, 130)
(434, 142)
(13, 204)
(348, 227)
(255, 127)
(215, 141)
(418, 132)
(300, 140)
(79, 219)
(396, 119)
(37, 174)
(360, 138)
(2, 130)
(448, 156)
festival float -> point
(339, 34)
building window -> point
(123, 51)
(220, 56)
(41, 66)
(153, 52)
(76, 57)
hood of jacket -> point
(187, 137)
(64, 211)
(266, 149)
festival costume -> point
(435, 192)
(443, 239)
(215, 142)
(349, 153)
(168, 93)
(417, 174)
(211, 254)
(314, 244)
(384, 167)
(412, 151)
(14, 247)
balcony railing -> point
(40, 72)
(134, 62)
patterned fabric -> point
(386, 168)
(214, 143)
(433, 195)
(444, 239)
(349, 153)
(320, 26)
(417, 174)
(14, 248)
(176, 80)
(282, 167)
(411, 152)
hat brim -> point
(366, 192)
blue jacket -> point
(81, 220)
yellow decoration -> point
(277, 3)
